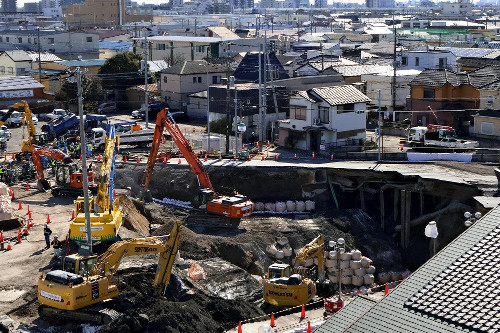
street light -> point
(471, 219)
(339, 248)
(431, 231)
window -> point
(1, 39)
(200, 48)
(29, 40)
(165, 79)
(160, 47)
(416, 25)
(89, 39)
(404, 61)
(194, 79)
(51, 40)
(429, 93)
(345, 108)
(199, 79)
(19, 39)
(7, 39)
(417, 61)
(487, 128)
(443, 62)
(10, 70)
(324, 114)
(2, 69)
(215, 79)
(298, 112)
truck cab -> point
(417, 133)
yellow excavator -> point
(87, 280)
(34, 138)
(106, 215)
(288, 286)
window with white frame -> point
(324, 114)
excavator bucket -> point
(43, 185)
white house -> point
(14, 63)
(428, 59)
(324, 118)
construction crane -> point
(106, 218)
(236, 206)
(86, 280)
(283, 288)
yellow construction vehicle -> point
(287, 286)
(87, 280)
(33, 136)
(106, 215)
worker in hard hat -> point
(57, 245)
(46, 233)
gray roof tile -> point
(338, 95)
(195, 67)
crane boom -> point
(163, 120)
(314, 249)
(28, 121)
(104, 199)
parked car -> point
(154, 109)
(56, 114)
(5, 132)
(34, 118)
(107, 107)
(14, 120)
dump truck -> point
(436, 136)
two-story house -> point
(324, 118)
(423, 59)
(178, 82)
(14, 63)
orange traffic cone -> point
(138, 159)
(80, 157)
(272, 320)
(268, 144)
(276, 157)
(331, 157)
(73, 215)
(28, 224)
(8, 246)
(303, 312)
(262, 159)
(239, 327)
(29, 209)
(401, 147)
(1, 235)
(50, 184)
(164, 160)
(164, 140)
(309, 327)
(179, 162)
(124, 158)
(249, 157)
(206, 158)
(48, 218)
(13, 196)
(220, 157)
(20, 205)
(29, 214)
(234, 158)
(114, 194)
(295, 156)
(257, 145)
(313, 157)
(386, 291)
(25, 231)
(359, 292)
(13, 156)
(27, 186)
(19, 235)
(99, 158)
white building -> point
(461, 8)
(428, 59)
(324, 118)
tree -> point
(90, 94)
(121, 72)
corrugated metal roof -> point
(156, 65)
(195, 67)
(390, 315)
(18, 83)
(468, 52)
(339, 95)
(357, 70)
(345, 317)
(223, 32)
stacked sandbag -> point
(280, 249)
(310, 205)
(300, 206)
(384, 277)
(270, 207)
(5, 203)
(356, 269)
(280, 207)
(259, 206)
(285, 207)
(291, 206)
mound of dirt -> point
(132, 218)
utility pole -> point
(260, 92)
(146, 100)
(39, 56)
(208, 111)
(379, 126)
(394, 78)
(83, 152)
(233, 85)
(228, 117)
(264, 95)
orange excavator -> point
(234, 207)
(69, 181)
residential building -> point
(31, 7)
(51, 8)
(245, 5)
(380, 3)
(179, 81)
(489, 95)
(102, 13)
(320, 3)
(459, 8)
(325, 118)
(9, 6)
(66, 45)
(14, 63)
(352, 73)
(13, 89)
(487, 124)
(248, 68)
(428, 59)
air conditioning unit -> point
(316, 121)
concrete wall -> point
(488, 96)
(427, 60)
(8, 67)
(487, 127)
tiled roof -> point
(195, 67)
(493, 86)
(345, 317)
(439, 77)
(350, 36)
(307, 96)
(18, 83)
(45, 56)
(357, 70)
(152, 87)
(338, 95)
(18, 55)
(391, 316)
(466, 292)
(223, 32)
(477, 62)
(157, 65)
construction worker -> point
(57, 245)
(46, 233)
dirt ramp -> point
(132, 218)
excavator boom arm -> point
(55, 154)
(164, 121)
(26, 119)
(312, 250)
(104, 197)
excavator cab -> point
(71, 176)
(203, 196)
(41, 139)
(78, 264)
(277, 270)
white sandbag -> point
(310, 205)
(405, 274)
(384, 277)
(309, 262)
(357, 280)
(270, 207)
(290, 206)
(344, 264)
(366, 262)
(287, 251)
(360, 271)
(395, 276)
(332, 255)
(355, 264)
(368, 279)
(300, 206)
(345, 256)
(280, 206)
(271, 249)
(347, 272)
(282, 241)
(346, 280)
(333, 278)
(370, 270)
(330, 263)
(259, 206)
(355, 255)
(279, 255)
